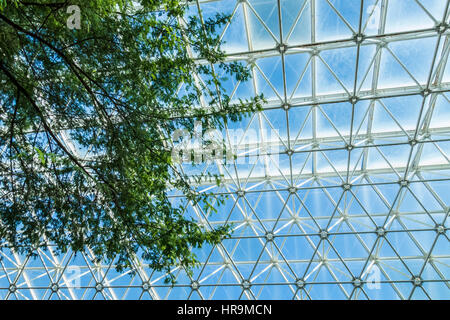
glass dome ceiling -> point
(340, 187)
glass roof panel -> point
(340, 187)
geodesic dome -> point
(340, 188)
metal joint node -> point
(145, 286)
(441, 28)
(403, 183)
(282, 48)
(357, 282)
(269, 236)
(251, 61)
(314, 52)
(300, 283)
(286, 106)
(346, 186)
(417, 281)
(440, 229)
(426, 92)
(246, 284)
(359, 38)
(99, 286)
(381, 232)
(195, 285)
(382, 44)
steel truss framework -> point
(340, 188)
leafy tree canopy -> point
(109, 87)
